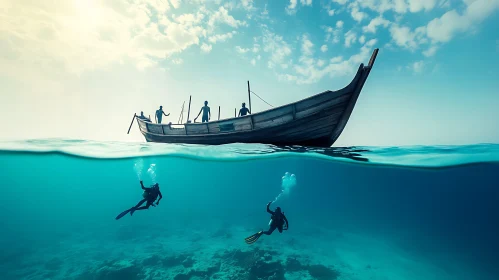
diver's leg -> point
(140, 203)
(144, 207)
(279, 228)
(271, 229)
(137, 206)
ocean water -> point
(372, 213)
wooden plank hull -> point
(316, 121)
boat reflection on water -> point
(353, 153)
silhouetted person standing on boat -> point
(159, 114)
(206, 113)
(277, 221)
(144, 117)
(244, 111)
(150, 195)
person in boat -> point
(277, 221)
(244, 111)
(206, 113)
(159, 114)
(149, 195)
(144, 117)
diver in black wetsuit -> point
(278, 221)
(150, 195)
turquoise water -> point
(354, 213)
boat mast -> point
(189, 111)
(249, 98)
(181, 117)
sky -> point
(80, 69)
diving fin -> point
(252, 239)
(123, 214)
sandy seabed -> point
(149, 254)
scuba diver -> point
(150, 195)
(277, 221)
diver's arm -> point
(286, 220)
(268, 209)
(142, 185)
(160, 197)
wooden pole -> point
(189, 111)
(249, 98)
(134, 115)
(235, 112)
(181, 117)
(218, 112)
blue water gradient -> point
(360, 212)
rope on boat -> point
(261, 98)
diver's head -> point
(278, 210)
(160, 107)
(156, 186)
(141, 113)
(206, 103)
(244, 105)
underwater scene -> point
(366, 213)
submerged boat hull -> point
(316, 121)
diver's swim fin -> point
(123, 214)
(252, 239)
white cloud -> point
(306, 2)
(341, 2)
(362, 39)
(177, 61)
(175, 3)
(310, 71)
(404, 37)
(253, 62)
(247, 5)
(241, 50)
(190, 19)
(306, 46)
(85, 36)
(333, 34)
(397, 6)
(256, 48)
(444, 28)
(324, 48)
(419, 5)
(355, 12)
(206, 48)
(444, 4)
(92, 35)
(291, 8)
(336, 59)
(375, 22)
(275, 45)
(221, 37)
(350, 38)
(222, 16)
(331, 12)
(417, 66)
(431, 51)
(265, 12)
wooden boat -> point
(316, 121)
